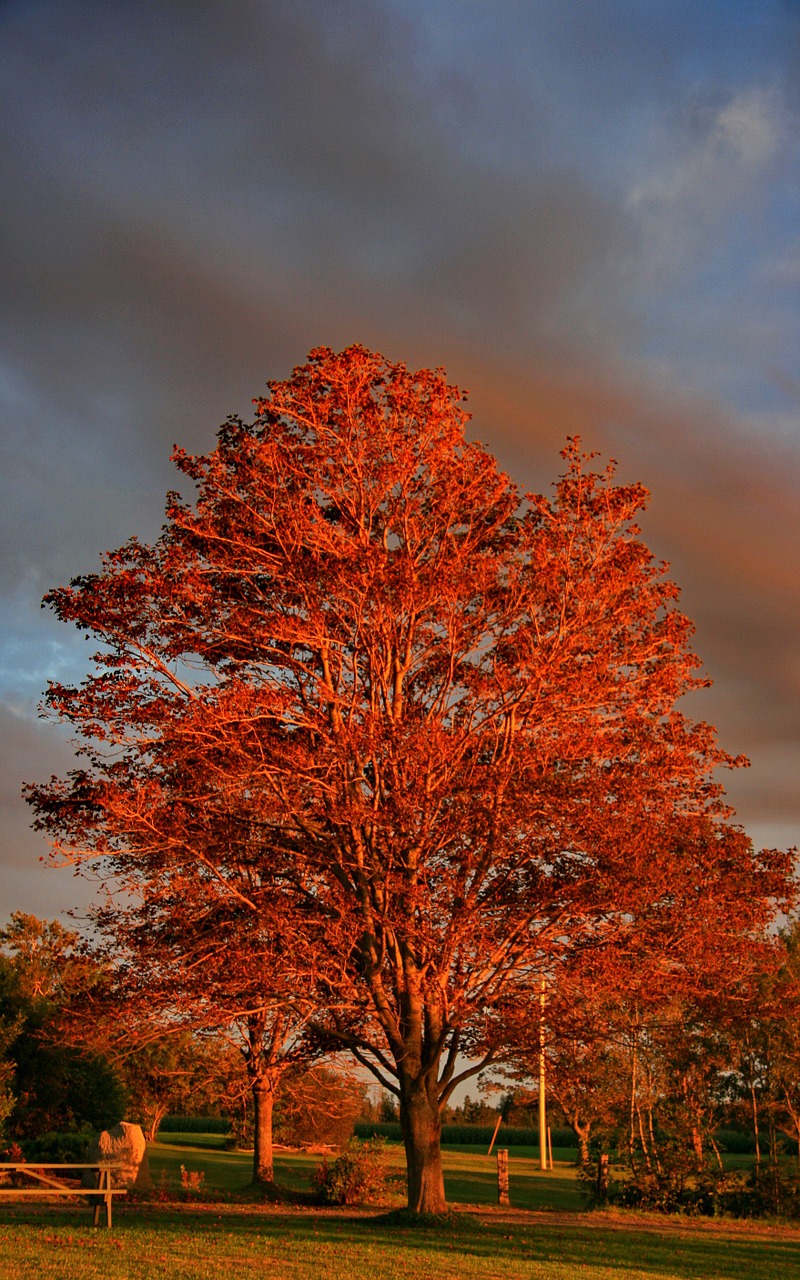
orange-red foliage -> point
(419, 727)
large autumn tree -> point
(447, 712)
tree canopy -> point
(419, 730)
(46, 1083)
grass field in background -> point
(470, 1175)
(239, 1237)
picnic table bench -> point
(102, 1194)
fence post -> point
(602, 1179)
(502, 1175)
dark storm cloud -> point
(189, 220)
(580, 211)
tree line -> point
(667, 1087)
(375, 745)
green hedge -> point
(194, 1124)
(471, 1134)
(388, 1129)
(507, 1135)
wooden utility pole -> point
(542, 1094)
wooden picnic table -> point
(102, 1194)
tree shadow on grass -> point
(686, 1252)
(571, 1244)
(528, 1189)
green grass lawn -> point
(238, 1237)
(470, 1175)
(220, 1242)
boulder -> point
(123, 1145)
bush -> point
(240, 1135)
(192, 1180)
(357, 1176)
(771, 1191)
(59, 1148)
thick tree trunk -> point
(263, 1099)
(421, 1126)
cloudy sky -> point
(589, 213)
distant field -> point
(546, 1234)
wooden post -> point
(602, 1179)
(96, 1206)
(550, 1145)
(502, 1175)
(494, 1135)
(103, 1184)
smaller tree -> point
(49, 961)
(319, 1107)
(181, 1073)
(473, 1111)
(389, 1110)
(206, 988)
(765, 1045)
(56, 1085)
